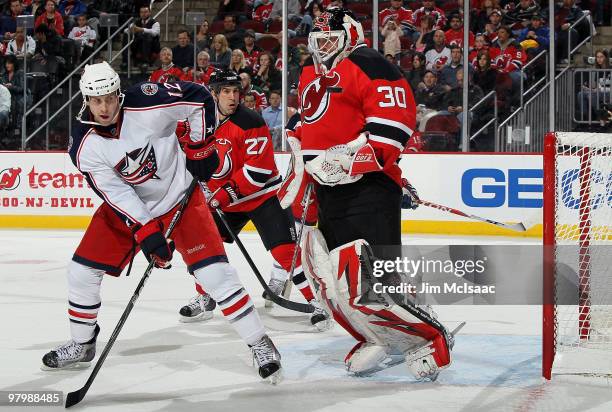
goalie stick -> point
(298, 242)
(75, 397)
(518, 227)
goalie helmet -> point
(98, 79)
(334, 35)
(224, 78)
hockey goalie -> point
(356, 115)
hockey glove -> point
(223, 196)
(154, 244)
(202, 159)
(410, 197)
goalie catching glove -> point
(154, 244)
(344, 163)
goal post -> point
(577, 254)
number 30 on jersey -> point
(392, 96)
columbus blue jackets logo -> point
(149, 88)
(315, 97)
(224, 150)
(138, 166)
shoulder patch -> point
(246, 118)
(374, 65)
(149, 88)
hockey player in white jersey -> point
(125, 146)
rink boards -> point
(44, 190)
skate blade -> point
(72, 367)
(199, 318)
(323, 326)
(276, 377)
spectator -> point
(453, 100)
(493, 25)
(36, 8)
(250, 102)
(596, 89)
(12, 79)
(537, 32)
(99, 8)
(415, 75)
(267, 76)
(402, 17)
(231, 7)
(485, 76)
(85, 37)
(448, 74)
(294, 9)
(220, 54)
(481, 16)
(274, 118)
(251, 50)
(439, 55)
(295, 70)
(203, 70)
(519, 17)
(204, 38)
(182, 53)
(480, 44)
(70, 9)
(507, 55)
(392, 33)
(565, 15)
(454, 35)
(5, 107)
(167, 69)
(146, 46)
(8, 21)
(430, 94)
(429, 9)
(21, 44)
(48, 48)
(238, 63)
(51, 18)
(234, 35)
(261, 12)
(598, 13)
(426, 33)
(313, 10)
(248, 87)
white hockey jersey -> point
(136, 165)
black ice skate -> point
(267, 358)
(200, 308)
(71, 355)
(320, 319)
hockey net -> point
(577, 327)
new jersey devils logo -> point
(315, 97)
(9, 178)
(224, 150)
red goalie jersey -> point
(246, 160)
(364, 92)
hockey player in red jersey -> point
(244, 186)
(125, 146)
(357, 114)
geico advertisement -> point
(43, 184)
(501, 187)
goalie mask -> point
(334, 35)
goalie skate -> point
(200, 308)
(71, 355)
(320, 319)
(267, 360)
(367, 358)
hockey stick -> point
(280, 301)
(305, 204)
(77, 396)
(518, 227)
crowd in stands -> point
(424, 38)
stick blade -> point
(75, 397)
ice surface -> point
(159, 364)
